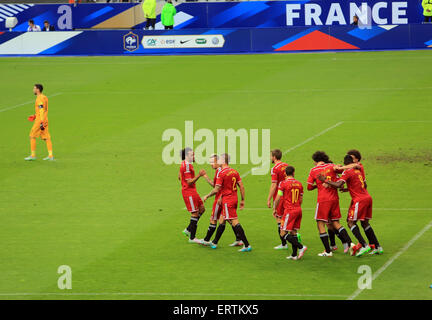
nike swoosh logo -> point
(181, 42)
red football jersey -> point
(214, 181)
(292, 193)
(355, 183)
(324, 194)
(187, 172)
(228, 178)
(278, 174)
(362, 171)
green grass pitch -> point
(111, 210)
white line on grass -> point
(302, 143)
(393, 258)
(167, 294)
(28, 102)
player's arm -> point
(339, 168)
(311, 183)
(212, 193)
(194, 179)
(334, 184)
(209, 181)
(242, 193)
(273, 188)
(311, 187)
(42, 115)
(277, 200)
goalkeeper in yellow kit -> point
(40, 126)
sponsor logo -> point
(200, 41)
(151, 42)
(183, 41)
(130, 42)
(167, 41)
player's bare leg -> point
(50, 150)
(33, 150)
(370, 234)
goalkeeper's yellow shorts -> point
(36, 132)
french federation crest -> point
(130, 42)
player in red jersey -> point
(217, 205)
(360, 208)
(227, 183)
(277, 176)
(356, 156)
(327, 209)
(191, 198)
(290, 191)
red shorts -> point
(291, 219)
(229, 210)
(216, 212)
(192, 201)
(280, 209)
(360, 210)
(328, 211)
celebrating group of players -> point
(287, 195)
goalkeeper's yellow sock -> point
(33, 147)
(49, 147)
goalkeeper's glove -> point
(31, 118)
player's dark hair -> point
(355, 153)
(184, 152)
(46, 21)
(39, 86)
(31, 21)
(319, 156)
(348, 159)
(225, 157)
(289, 170)
(277, 154)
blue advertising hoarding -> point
(247, 14)
(216, 41)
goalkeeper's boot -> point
(281, 247)
(30, 158)
(49, 158)
(292, 258)
(213, 245)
